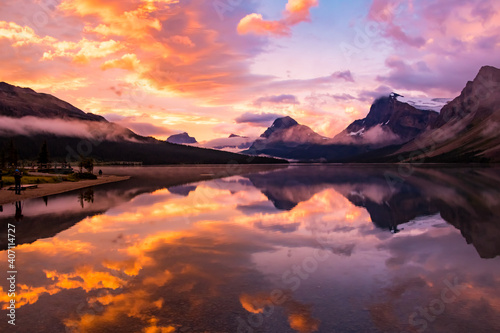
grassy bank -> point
(8, 180)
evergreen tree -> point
(2, 159)
(13, 154)
(43, 157)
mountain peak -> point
(280, 124)
(389, 120)
(482, 91)
(285, 122)
(487, 79)
(486, 70)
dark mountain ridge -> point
(17, 102)
(467, 127)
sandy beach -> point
(7, 196)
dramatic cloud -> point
(186, 65)
(297, 11)
(438, 46)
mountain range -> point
(28, 118)
(389, 122)
(394, 130)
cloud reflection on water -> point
(200, 261)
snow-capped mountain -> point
(467, 128)
(389, 121)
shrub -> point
(74, 177)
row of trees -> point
(10, 158)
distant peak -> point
(234, 136)
(181, 138)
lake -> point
(261, 249)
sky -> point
(216, 67)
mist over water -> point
(262, 249)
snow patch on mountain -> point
(422, 103)
(358, 133)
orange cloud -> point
(86, 278)
(128, 62)
(297, 11)
(81, 51)
(137, 304)
(299, 315)
(21, 35)
(56, 246)
(254, 23)
(84, 50)
(119, 18)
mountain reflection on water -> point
(262, 249)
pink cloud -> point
(297, 11)
(437, 46)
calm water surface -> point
(261, 249)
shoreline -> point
(43, 190)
